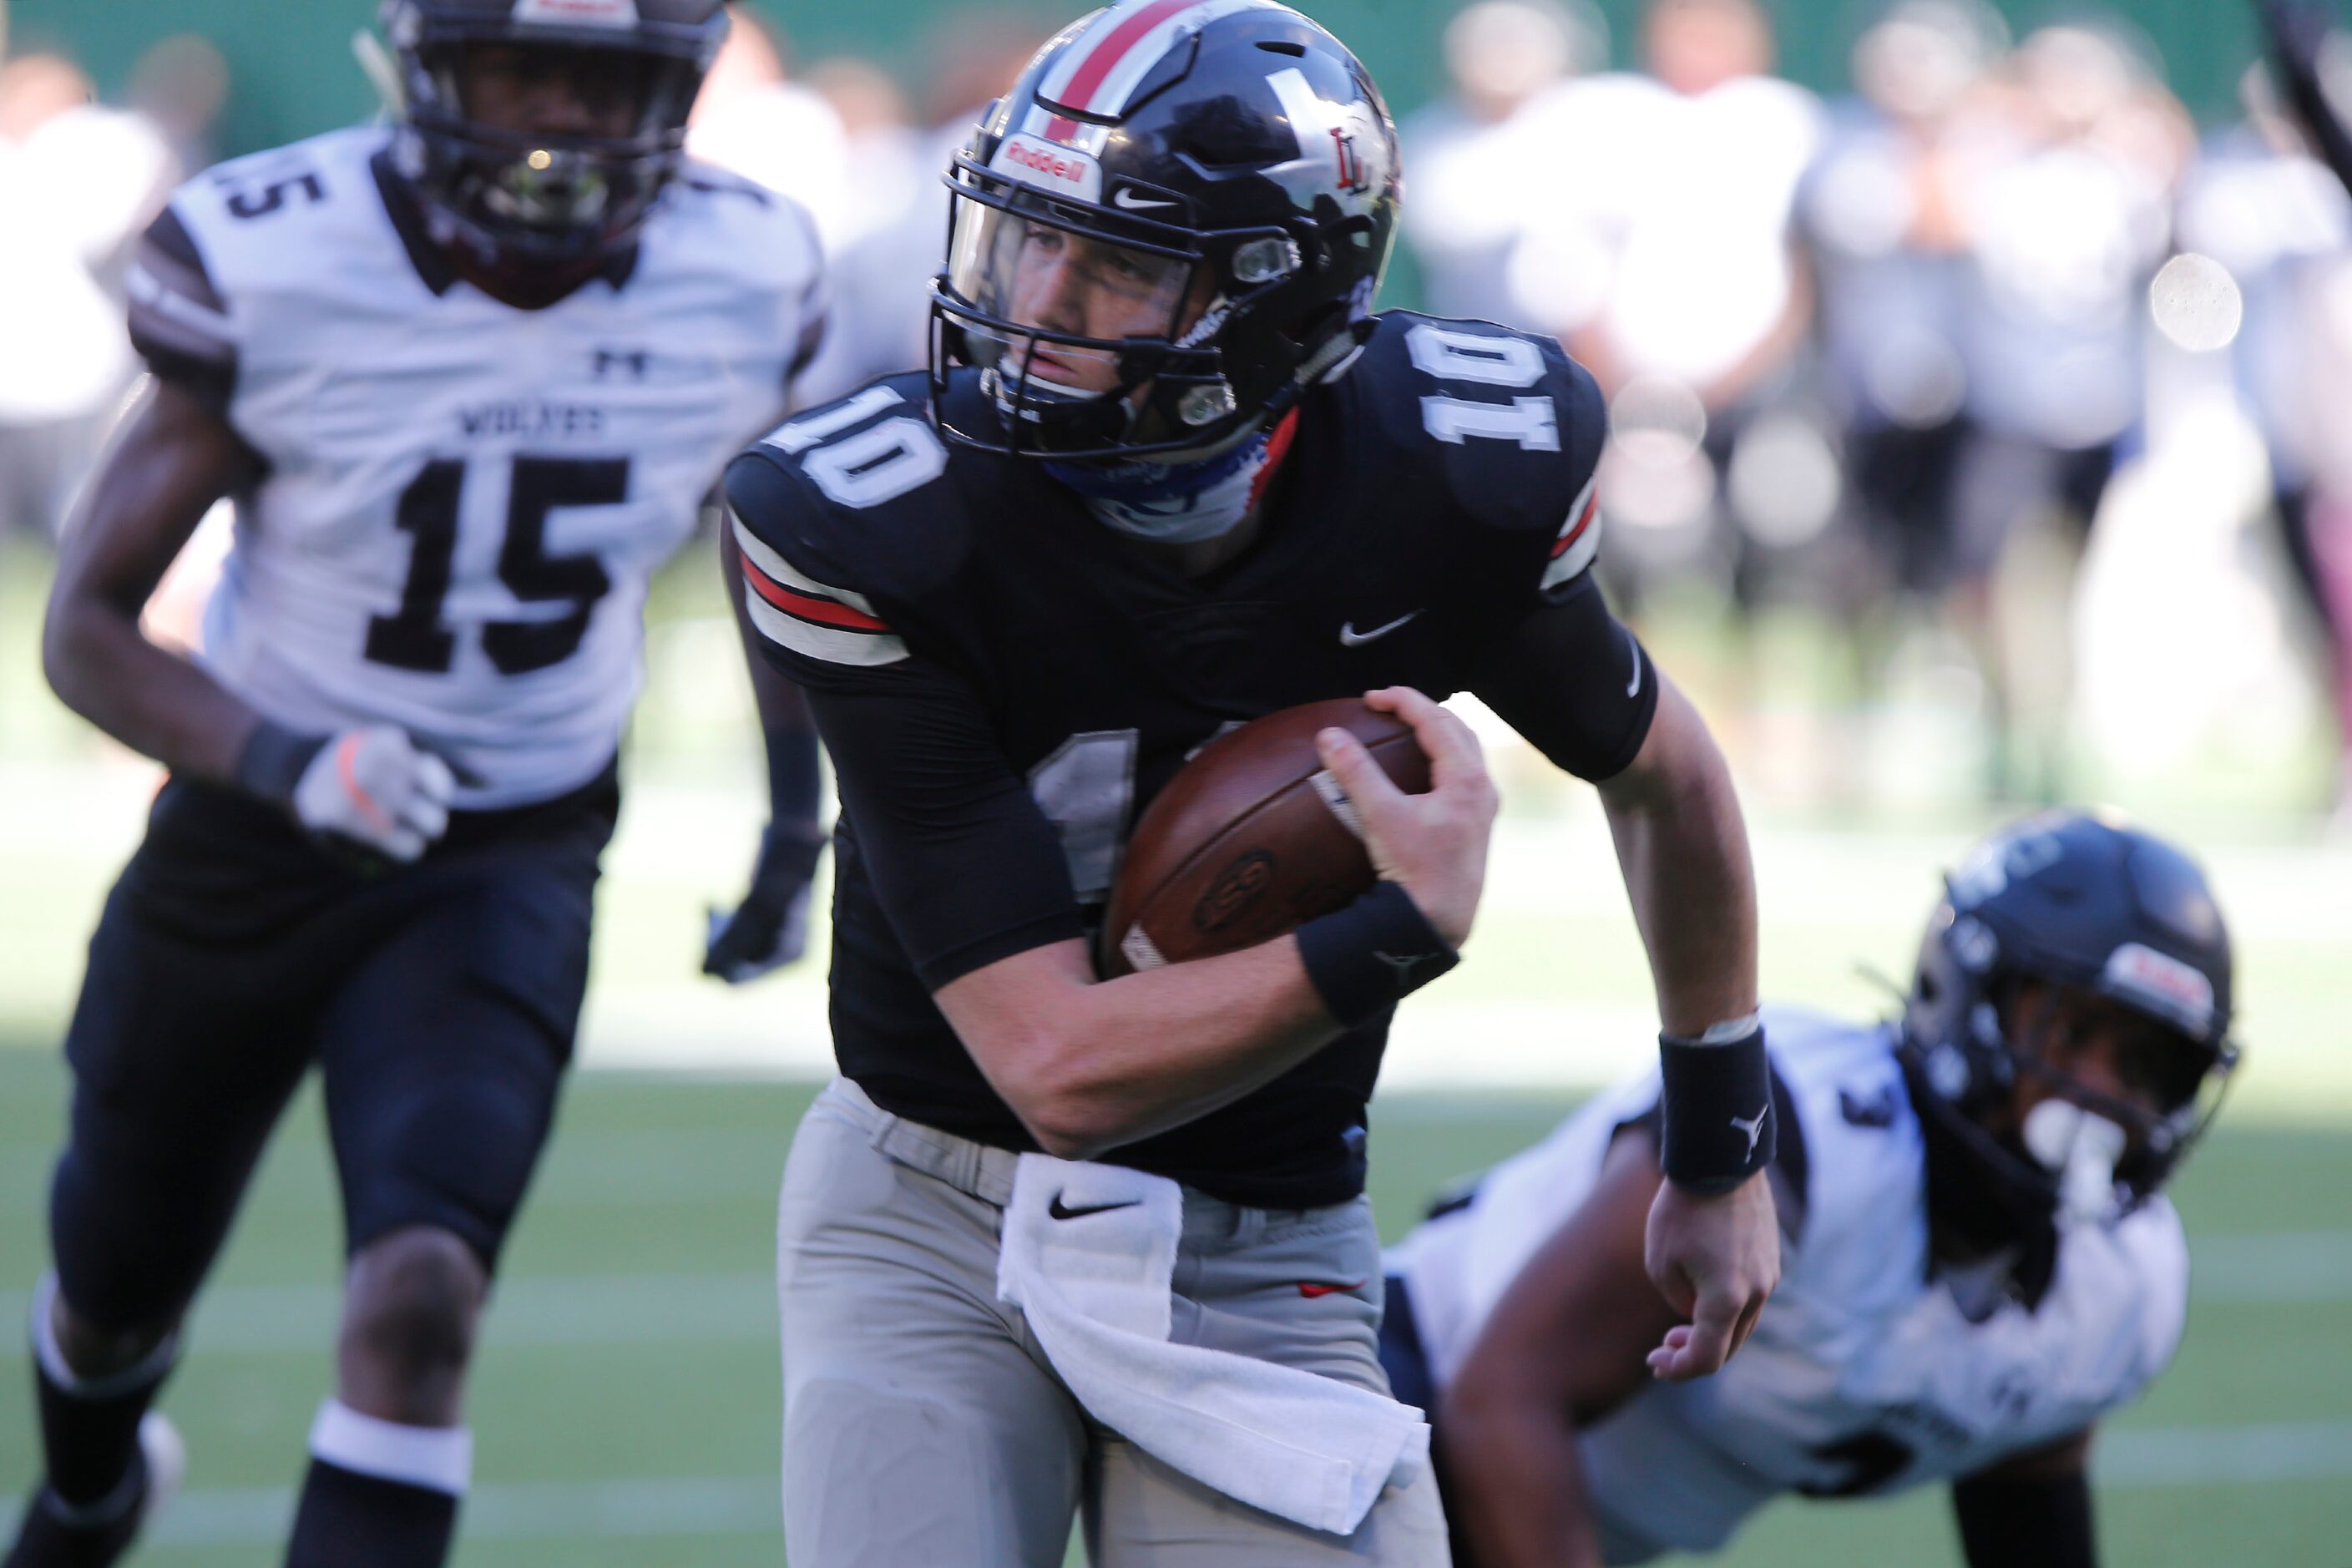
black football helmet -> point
(2083, 902)
(1235, 169)
(547, 198)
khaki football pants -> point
(923, 1427)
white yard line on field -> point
(748, 1505)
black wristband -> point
(273, 760)
(1364, 959)
(1715, 1126)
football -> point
(1253, 838)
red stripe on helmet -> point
(1108, 53)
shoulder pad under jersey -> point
(843, 514)
(1514, 427)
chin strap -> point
(1181, 503)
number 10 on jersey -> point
(416, 638)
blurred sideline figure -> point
(1471, 155)
(468, 378)
(2298, 339)
(2073, 155)
(1979, 1261)
(180, 84)
(752, 119)
(1883, 215)
(881, 279)
(78, 181)
(1668, 268)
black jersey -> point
(1004, 682)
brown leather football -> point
(1253, 838)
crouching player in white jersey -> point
(1976, 1263)
(469, 379)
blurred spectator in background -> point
(2280, 221)
(888, 155)
(2073, 157)
(1882, 217)
(881, 281)
(752, 121)
(180, 85)
(1660, 253)
(756, 123)
(77, 183)
(1471, 157)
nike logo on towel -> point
(1311, 1290)
(1350, 637)
(1060, 1210)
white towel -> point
(1088, 1255)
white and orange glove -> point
(371, 785)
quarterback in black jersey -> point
(1168, 473)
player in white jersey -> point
(1976, 1263)
(469, 379)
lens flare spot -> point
(2196, 303)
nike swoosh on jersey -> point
(1350, 637)
(1311, 1289)
(1059, 1211)
(1634, 687)
(1126, 198)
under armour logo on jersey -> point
(1754, 1128)
(637, 362)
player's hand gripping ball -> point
(1255, 837)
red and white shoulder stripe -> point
(813, 619)
(1579, 537)
(1100, 68)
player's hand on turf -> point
(769, 928)
(1434, 844)
(1715, 1260)
(375, 786)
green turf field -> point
(626, 1398)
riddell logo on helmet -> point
(1048, 167)
(2161, 983)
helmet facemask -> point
(1984, 1017)
(1100, 337)
(576, 185)
(2171, 1086)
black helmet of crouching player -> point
(548, 198)
(1225, 171)
(2077, 900)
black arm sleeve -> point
(967, 868)
(1574, 681)
(2042, 1522)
